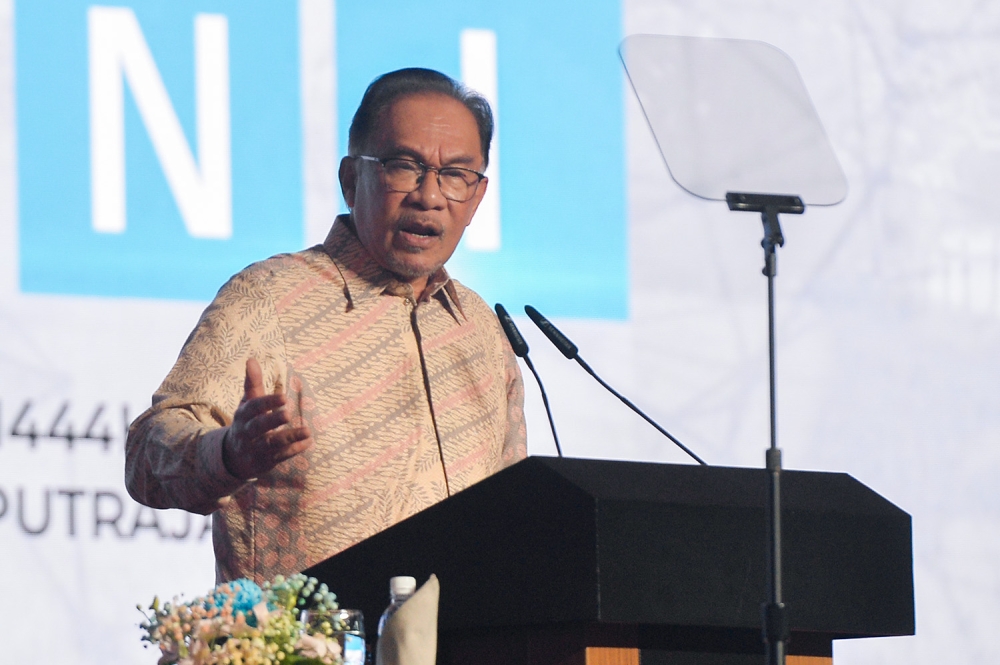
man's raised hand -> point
(259, 437)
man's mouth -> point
(418, 234)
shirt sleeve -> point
(516, 438)
(173, 454)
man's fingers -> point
(274, 447)
(250, 409)
(264, 423)
(295, 441)
(275, 441)
(298, 434)
(253, 383)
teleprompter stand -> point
(733, 120)
(774, 612)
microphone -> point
(571, 352)
(555, 336)
(521, 351)
(513, 334)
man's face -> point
(413, 234)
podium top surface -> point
(553, 541)
(696, 485)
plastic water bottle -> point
(400, 590)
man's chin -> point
(409, 270)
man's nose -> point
(428, 193)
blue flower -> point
(244, 594)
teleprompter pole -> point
(774, 613)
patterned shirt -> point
(406, 401)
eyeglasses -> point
(406, 175)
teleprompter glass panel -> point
(732, 115)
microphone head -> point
(513, 334)
(555, 336)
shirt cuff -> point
(223, 482)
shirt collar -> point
(364, 279)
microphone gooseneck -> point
(569, 349)
(521, 351)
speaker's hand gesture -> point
(259, 437)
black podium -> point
(564, 561)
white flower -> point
(316, 646)
(260, 611)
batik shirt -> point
(407, 401)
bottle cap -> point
(402, 586)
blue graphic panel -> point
(155, 256)
(564, 246)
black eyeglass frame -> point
(382, 161)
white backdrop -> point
(888, 363)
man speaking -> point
(326, 395)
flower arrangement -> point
(240, 623)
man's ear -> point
(477, 198)
(348, 180)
